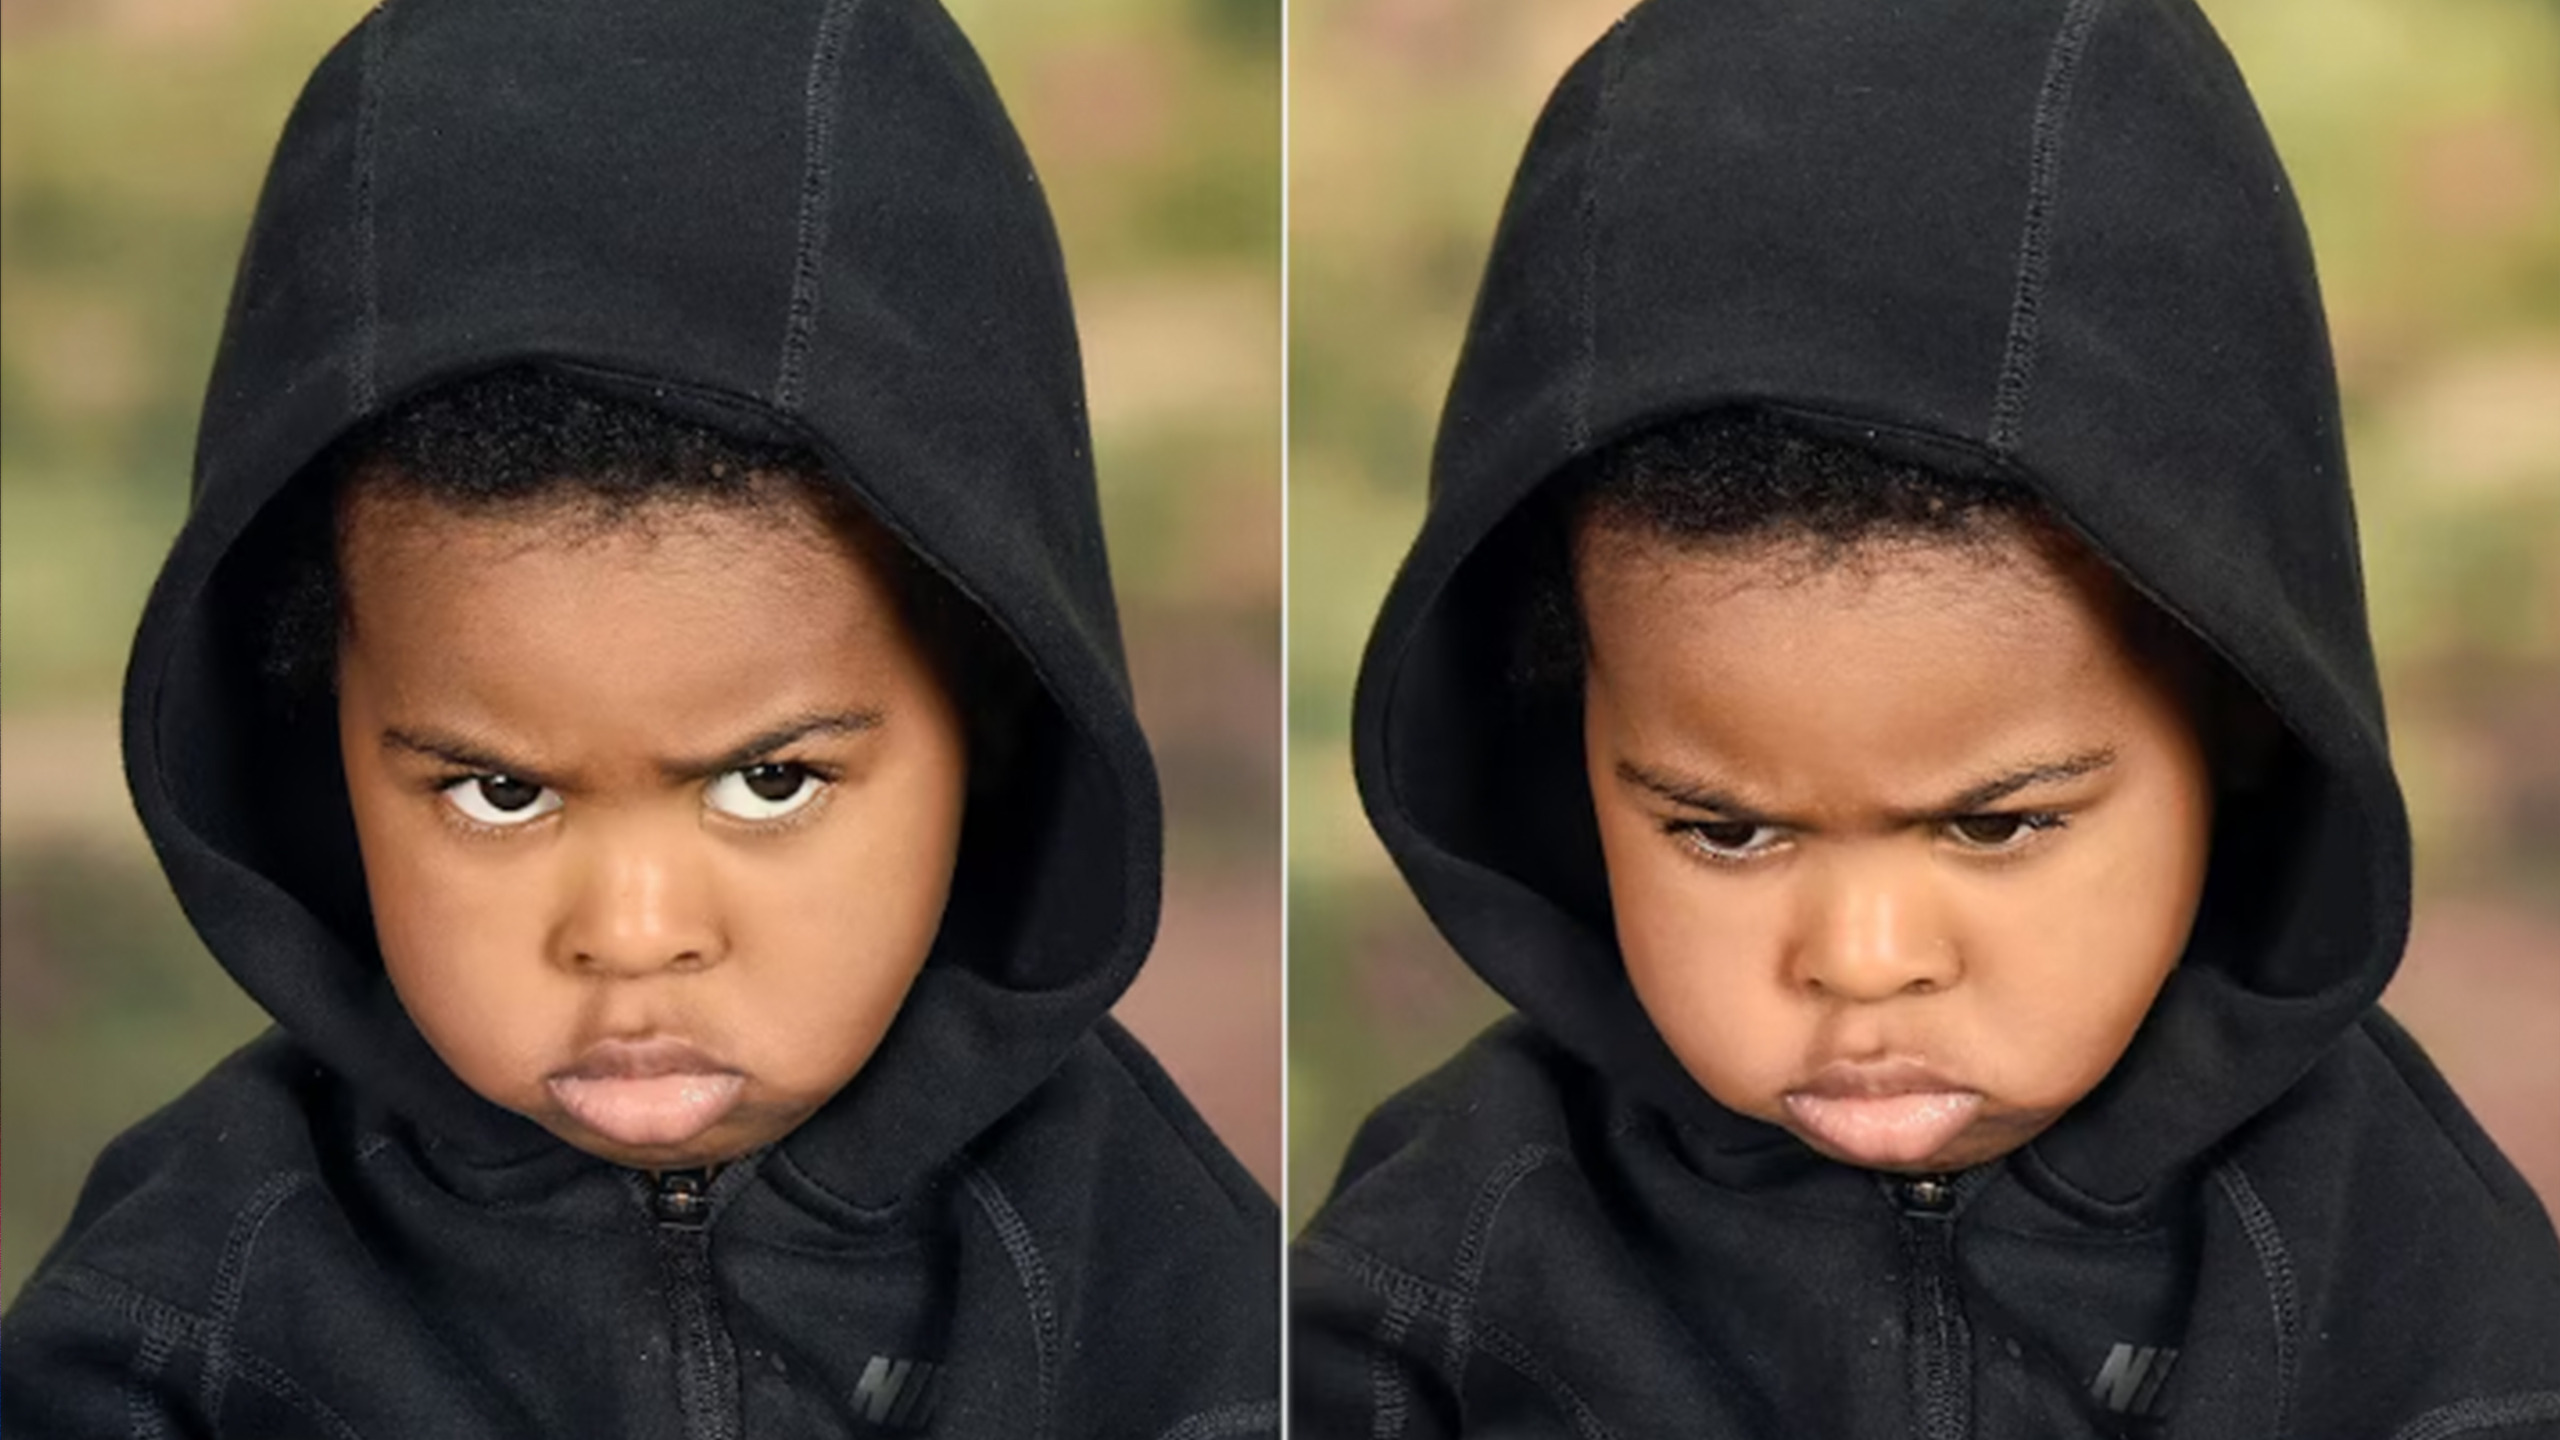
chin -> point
(702, 1154)
(717, 1147)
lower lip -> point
(650, 1110)
(1884, 1131)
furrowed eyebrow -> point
(1698, 795)
(1682, 790)
(756, 747)
(1999, 788)
(454, 751)
(466, 755)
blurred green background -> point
(132, 137)
(2424, 139)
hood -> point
(2049, 242)
(805, 222)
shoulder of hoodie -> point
(1432, 1170)
(2389, 1227)
(1107, 1152)
(1137, 1238)
(170, 1213)
(2375, 1134)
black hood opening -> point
(253, 771)
(1479, 757)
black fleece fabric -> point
(807, 222)
(2043, 241)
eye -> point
(764, 792)
(1728, 841)
(2007, 830)
(500, 801)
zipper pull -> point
(682, 1197)
(1929, 1196)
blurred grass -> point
(2424, 139)
(133, 134)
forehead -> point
(1891, 660)
(671, 604)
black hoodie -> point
(2048, 242)
(804, 222)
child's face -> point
(658, 818)
(1900, 849)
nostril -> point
(682, 960)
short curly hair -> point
(1747, 478)
(533, 440)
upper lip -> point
(1872, 1079)
(645, 1059)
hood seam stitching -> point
(1033, 1274)
(2275, 1266)
(231, 1279)
(166, 1328)
(159, 1342)
(1408, 1298)
(800, 318)
(1388, 1403)
(2044, 182)
(2463, 1417)
(1477, 1239)
(367, 381)
(1587, 212)
(1242, 1417)
(1514, 1352)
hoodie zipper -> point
(706, 1359)
(1940, 1358)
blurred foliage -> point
(2424, 139)
(133, 134)
(111, 1010)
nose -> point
(642, 904)
(1871, 931)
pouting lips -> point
(653, 1092)
(1882, 1114)
(1884, 1131)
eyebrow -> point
(1696, 794)
(466, 754)
(1686, 792)
(2001, 787)
(452, 749)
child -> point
(1883, 688)
(638, 698)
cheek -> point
(2073, 966)
(1702, 953)
(833, 932)
(463, 944)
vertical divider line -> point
(1286, 177)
